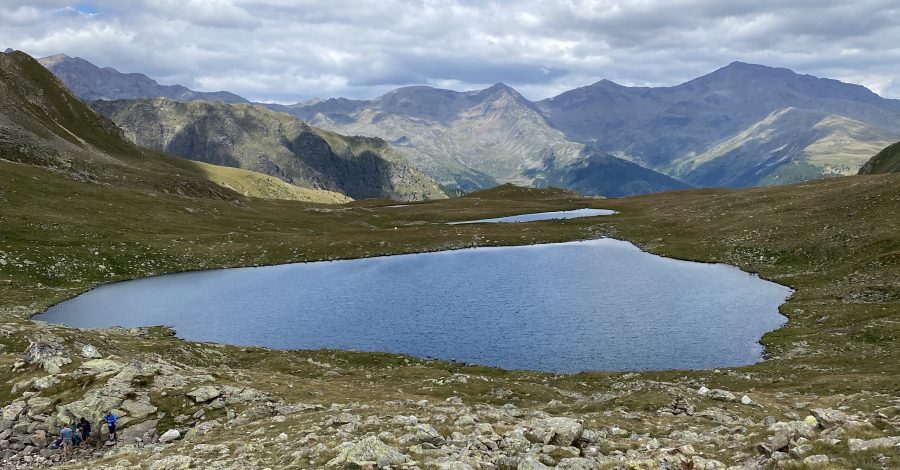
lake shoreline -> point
(762, 354)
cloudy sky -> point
(290, 50)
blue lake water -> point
(573, 214)
(566, 307)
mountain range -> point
(742, 125)
(256, 138)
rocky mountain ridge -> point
(90, 82)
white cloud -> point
(288, 50)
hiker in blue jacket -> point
(110, 420)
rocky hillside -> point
(43, 124)
(90, 82)
(742, 125)
(885, 161)
(256, 138)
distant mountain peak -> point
(90, 82)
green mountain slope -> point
(43, 124)
(885, 161)
(609, 176)
(256, 138)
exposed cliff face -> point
(256, 138)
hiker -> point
(85, 427)
(68, 436)
(76, 436)
(110, 420)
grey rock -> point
(99, 367)
(828, 417)
(559, 431)
(777, 443)
(369, 450)
(88, 351)
(172, 462)
(722, 395)
(578, 463)
(531, 463)
(817, 459)
(859, 445)
(169, 436)
(204, 394)
(47, 351)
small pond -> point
(566, 307)
(573, 214)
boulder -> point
(138, 409)
(577, 463)
(818, 459)
(828, 417)
(531, 463)
(234, 395)
(140, 430)
(558, 431)
(778, 442)
(47, 351)
(204, 394)
(99, 366)
(455, 466)
(39, 439)
(43, 383)
(722, 395)
(859, 445)
(12, 411)
(746, 400)
(172, 462)
(169, 436)
(426, 433)
(88, 351)
(369, 451)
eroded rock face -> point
(368, 451)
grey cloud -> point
(288, 50)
